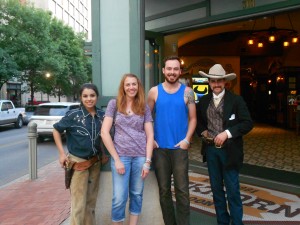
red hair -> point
(138, 105)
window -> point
(59, 12)
(52, 5)
(71, 9)
(66, 17)
(72, 22)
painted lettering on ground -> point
(260, 204)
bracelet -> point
(186, 141)
(148, 161)
(146, 166)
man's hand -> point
(220, 138)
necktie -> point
(217, 101)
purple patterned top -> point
(130, 137)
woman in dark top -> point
(82, 127)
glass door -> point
(153, 59)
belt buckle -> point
(218, 146)
(208, 140)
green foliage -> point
(36, 44)
(8, 68)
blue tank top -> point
(171, 118)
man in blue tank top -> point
(175, 120)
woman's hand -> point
(146, 170)
(119, 167)
(62, 159)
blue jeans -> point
(131, 182)
(219, 176)
(167, 162)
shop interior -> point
(268, 68)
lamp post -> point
(48, 75)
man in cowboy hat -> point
(223, 119)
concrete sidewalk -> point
(46, 201)
(151, 212)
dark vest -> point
(215, 118)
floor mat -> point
(261, 205)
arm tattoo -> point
(190, 96)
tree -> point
(39, 44)
(28, 44)
(8, 68)
(75, 70)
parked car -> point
(47, 114)
(29, 110)
(10, 115)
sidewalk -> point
(36, 202)
(45, 201)
(151, 213)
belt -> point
(80, 166)
(88, 157)
(210, 142)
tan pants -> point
(84, 191)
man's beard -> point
(171, 81)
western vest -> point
(215, 118)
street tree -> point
(8, 68)
(38, 44)
(25, 41)
(74, 73)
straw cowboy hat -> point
(217, 72)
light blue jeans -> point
(129, 183)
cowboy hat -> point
(217, 72)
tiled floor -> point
(265, 146)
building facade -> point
(74, 13)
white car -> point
(47, 114)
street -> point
(14, 154)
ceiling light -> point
(295, 39)
(273, 34)
(250, 41)
(272, 38)
(286, 44)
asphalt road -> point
(14, 154)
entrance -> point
(154, 45)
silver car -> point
(47, 114)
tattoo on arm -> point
(190, 96)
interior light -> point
(295, 39)
(286, 43)
(260, 44)
(272, 38)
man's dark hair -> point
(172, 57)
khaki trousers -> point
(84, 190)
